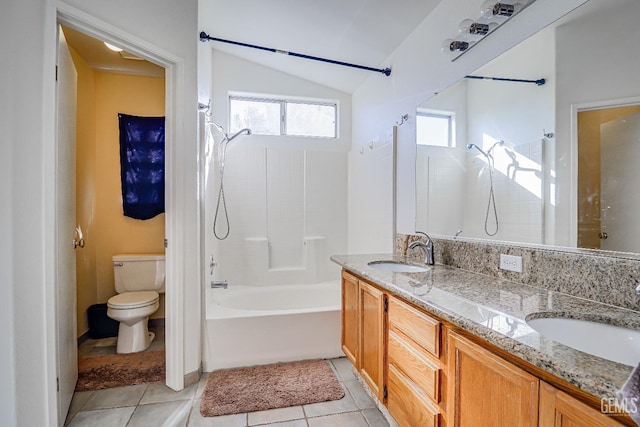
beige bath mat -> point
(258, 388)
(117, 370)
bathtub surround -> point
(286, 195)
(260, 388)
(606, 277)
(117, 370)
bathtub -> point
(257, 325)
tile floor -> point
(156, 405)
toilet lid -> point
(128, 300)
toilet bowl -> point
(138, 280)
(132, 310)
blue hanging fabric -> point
(142, 165)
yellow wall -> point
(115, 233)
(101, 96)
(589, 211)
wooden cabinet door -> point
(486, 390)
(371, 303)
(350, 323)
(558, 409)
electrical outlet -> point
(511, 263)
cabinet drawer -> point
(420, 327)
(415, 364)
(406, 404)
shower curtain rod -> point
(539, 82)
(205, 37)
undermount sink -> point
(397, 267)
(610, 342)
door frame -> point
(174, 120)
(573, 187)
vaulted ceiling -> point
(364, 32)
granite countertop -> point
(496, 311)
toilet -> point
(138, 280)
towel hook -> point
(403, 118)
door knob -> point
(78, 240)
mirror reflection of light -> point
(516, 167)
(552, 188)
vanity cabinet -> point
(427, 373)
(486, 390)
(558, 409)
(363, 330)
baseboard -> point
(82, 338)
(191, 378)
(157, 323)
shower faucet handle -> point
(212, 265)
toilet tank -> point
(139, 272)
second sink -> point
(610, 342)
(397, 267)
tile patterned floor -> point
(156, 405)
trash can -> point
(101, 325)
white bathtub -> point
(256, 325)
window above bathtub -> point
(284, 116)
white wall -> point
(419, 70)
(286, 196)
(23, 321)
(28, 93)
(596, 62)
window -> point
(266, 116)
(434, 129)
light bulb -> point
(450, 45)
(491, 9)
(112, 47)
(465, 26)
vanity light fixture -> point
(493, 13)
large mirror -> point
(513, 157)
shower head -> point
(240, 132)
(494, 146)
(488, 153)
(471, 146)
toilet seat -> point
(131, 300)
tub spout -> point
(222, 284)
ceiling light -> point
(112, 47)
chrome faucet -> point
(222, 284)
(427, 247)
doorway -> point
(174, 308)
(607, 159)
